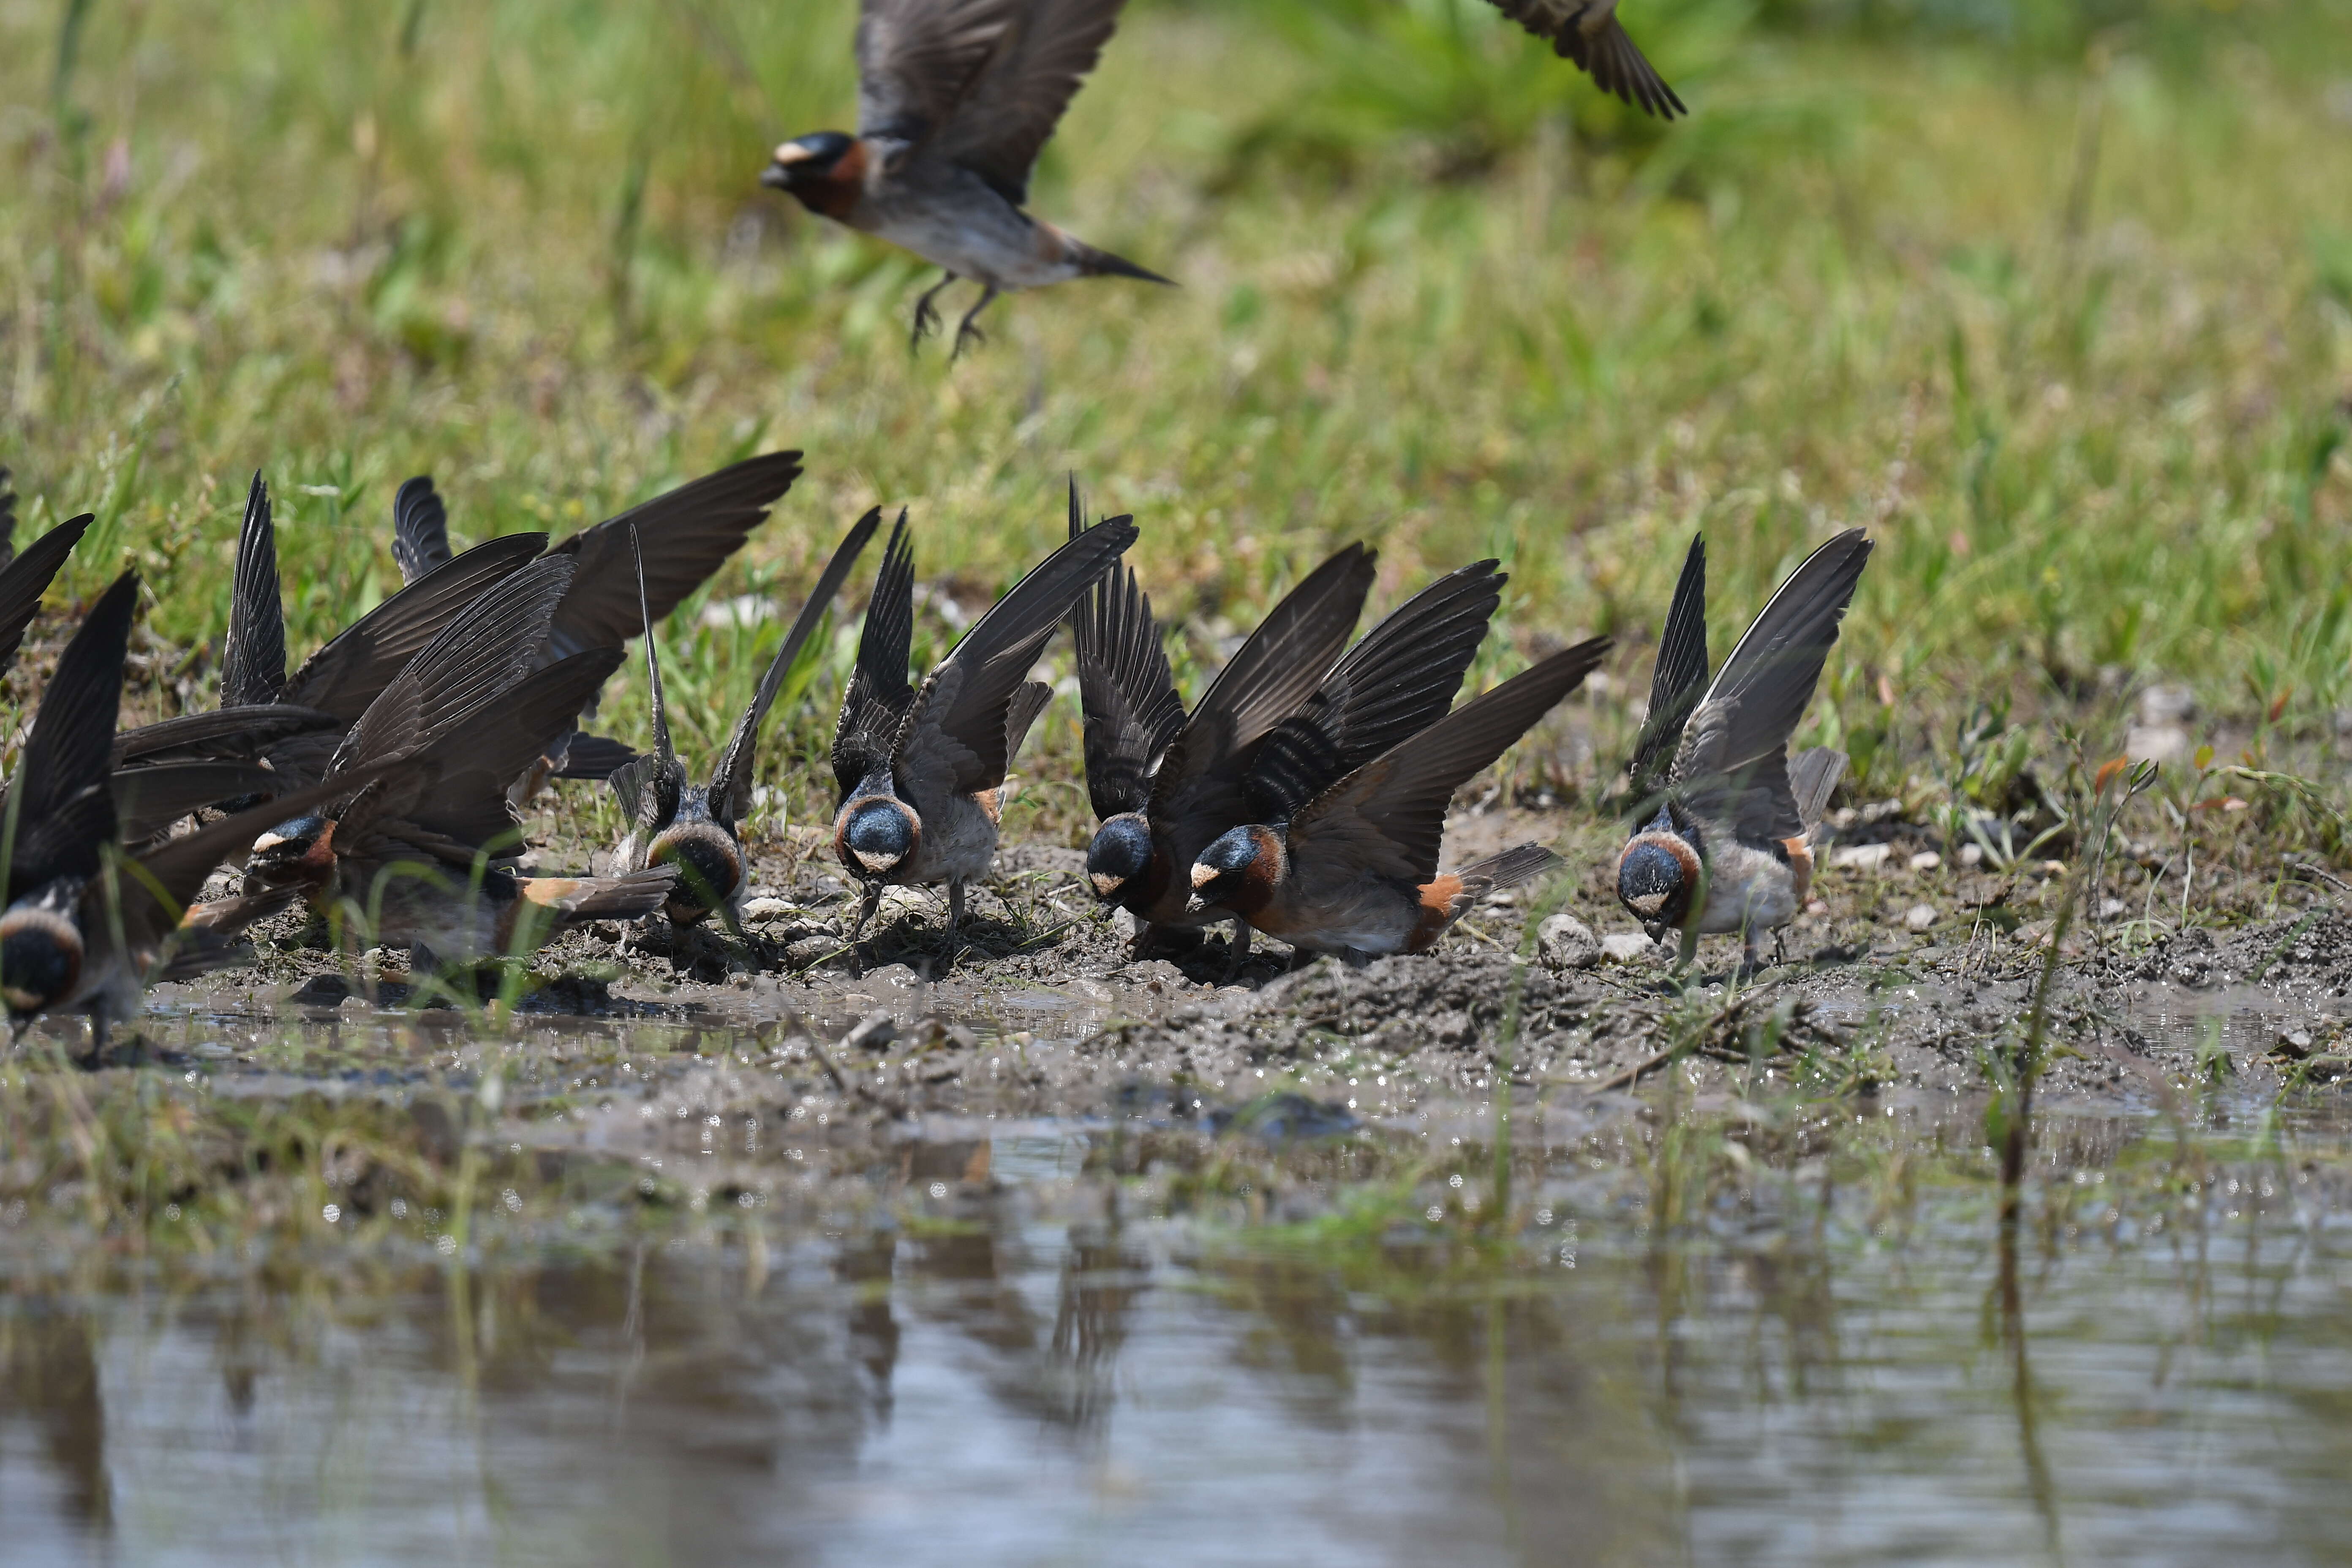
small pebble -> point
(1863, 856)
(1919, 917)
(767, 909)
(1925, 861)
(1971, 854)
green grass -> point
(2056, 300)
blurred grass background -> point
(2054, 297)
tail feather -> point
(1813, 773)
(1522, 863)
(1097, 263)
(623, 897)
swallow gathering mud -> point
(1302, 798)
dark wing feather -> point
(1124, 686)
(68, 750)
(8, 517)
(688, 534)
(148, 800)
(474, 761)
(878, 696)
(1399, 680)
(484, 649)
(27, 575)
(955, 733)
(420, 529)
(917, 58)
(224, 734)
(253, 661)
(1605, 54)
(593, 758)
(1274, 672)
(730, 783)
(1018, 96)
(353, 669)
(1753, 706)
(1389, 817)
(648, 789)
(1677, 681)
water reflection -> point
(1021, 1372)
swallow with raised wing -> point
(81, 932)
(698, 828)
(1264, 740)
(921, 772)
(1728, 823)
(421, 855)
(955, 99)
(689, 532)
(1354, 872)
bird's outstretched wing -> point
(877, 701)
(730, 783)
(1004, 118)
(1732, 763)
(957, 733)
(60, 804)
(1389, 816)
(1677, 682)
(253, 659)
(1599, 47)
(420, 529)
(352, 669)
(1124, 686)
(26, 574)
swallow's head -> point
(1238, 872)
(824, 169)
(1658, 879)
(298, 852)
(875, 836)
(40, 958)
(709, 870)
(1120, 857)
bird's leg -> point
(1779, 949)
(870, 901)
(926, 320)
(1237, 949)
(965, 329)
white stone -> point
(1563, 942)
(768, 909)
(1971, 854)
(1919, 917)
(2162, 743)
(1862, 857)
(1925, 861)
(1626, 947)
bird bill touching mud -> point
(698, 828)
(1354, 871)
(1728, 818)
(955, 99)
(921, 773)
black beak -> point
(777, 176)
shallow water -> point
(1130, 1338)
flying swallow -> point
(921, 772)
(954, 99)
(1588, 32)
(1262, 740)
(695, 828)
(689, 532)
(1354, 871)
(82, 931)
(1729, 847)
(420, 856)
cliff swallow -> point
(26, 574)
(1729, 847)
(696, 828)
(420, 856)
(82, 931)
(1264, 740)
(920, 772)
(1588, 32)
(689, 532)
(954, 99)
(1354, 871)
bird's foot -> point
(965, 333)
